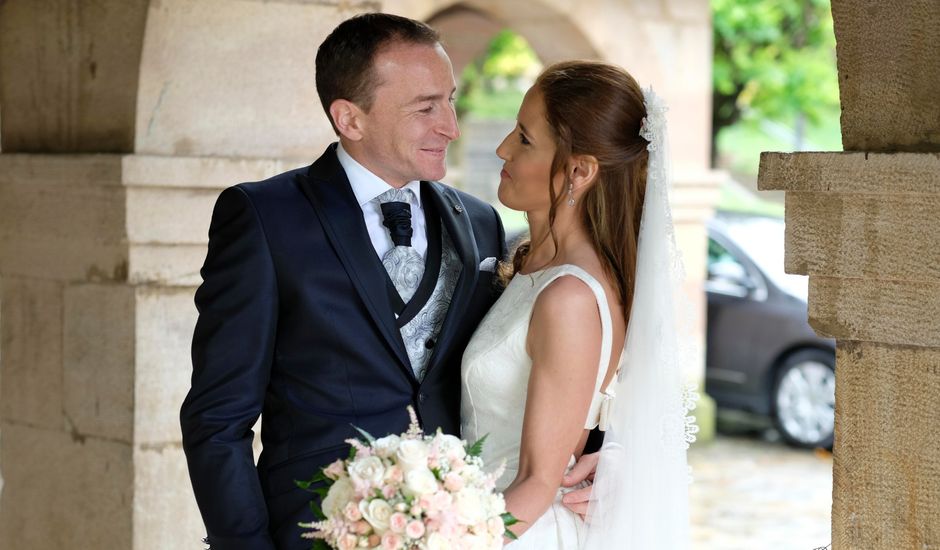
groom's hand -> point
(578, 500)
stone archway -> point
(121, 123)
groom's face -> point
(412, 119)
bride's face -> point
(528, 152)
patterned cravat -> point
(404, 265)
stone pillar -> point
(862, 225)
(100, 257)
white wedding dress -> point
(495, 376)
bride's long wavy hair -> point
(596, 109)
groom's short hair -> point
(344, 66)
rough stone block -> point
(169, 216)
(64, 492)
(888, 236)
(869, 173)
(165, 321)
(32, 352)
(163, 499)
(200, 172)
(896, 312)
(166, 265)
(62, 218)
(888, 74)
(63, 170)
(99, 332)
(886, 467)
(224, 79)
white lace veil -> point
(640, 495)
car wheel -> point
(804, 398)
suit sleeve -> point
(232, 352)
(501, 233)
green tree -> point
(508, 59)
(773, 60)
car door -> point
(736, 294)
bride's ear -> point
(582, 171)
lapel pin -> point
(458, 209)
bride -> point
(583, 336)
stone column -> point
(862, 224)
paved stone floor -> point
(752, 492)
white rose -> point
(477, 542)
(377, 512)
(469, 506)
(339, 494)
(368, 470)
(412, 454)
(387, 446)
(420, 482)
(436, 541)
(472, 474)
(451, 447)
(496, 504)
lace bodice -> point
(495, 368)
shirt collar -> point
(366, 186)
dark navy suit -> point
(296, 324)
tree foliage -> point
(773, 60)
(491, 83)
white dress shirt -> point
(367, 186)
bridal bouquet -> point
(409, 492)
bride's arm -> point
(564, 342)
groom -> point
(337, 294)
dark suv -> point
(762, 356)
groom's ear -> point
(582, 170)
(347, 116)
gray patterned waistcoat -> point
(420, 333)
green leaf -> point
(509, 520)
(317, 511)
(477, 448)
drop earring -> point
(570, 194)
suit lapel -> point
(328, 190)
(455, 219)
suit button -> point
(422, 397)
(429, 344)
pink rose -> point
(388, 491)
(351, 511)
(415, 529)
(398, 522)
(449, 527)
(457, 464)
(362, 527)
(425, 504)
(392, 541)
(335, 470)
(348, 542)
(394, 475)
(453, 482)
(441, 501)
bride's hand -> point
(578, 500)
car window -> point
(726, 274)
(718, 254)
